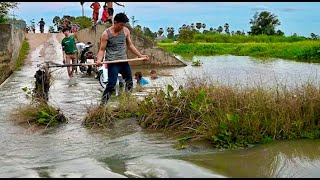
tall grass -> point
(224, 38)
(306, 51)
(22, 53)
(234, 116)
(104, 116)
(38, 113)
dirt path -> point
(37, 39)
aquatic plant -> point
(233, 116)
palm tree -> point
(203, 26)
(220, 29)
(56, 20)
(198, 26)
(226, 28)
(82, 8)
(192, 25)
(160, 31)
(133, 21)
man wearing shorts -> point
(69, 51)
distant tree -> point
(280, 33)
(264, 23)
(133, 20)
(138, 29)
(313, 36)
(232, 33)
(198, 26)
(170, 31)
(81, 3)
(83, 21)
(5, 8)
(186, 35)
(51, 29)
(56, 21)
(220, 29)
(226, 28)
(238, 32)
(148, 33)
(160, 31)
(294, 35)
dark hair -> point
(65, 29)
(121, 17)
(105, 6)
(138, 74)
(88, 42)
(153, 71)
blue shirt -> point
(142, 81)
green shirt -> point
(69, 45)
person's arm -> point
(91, 6)
(119, 4)
(102, 49)
(131, 47)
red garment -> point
(96, 6)
(105, 15)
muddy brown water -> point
(127, 150)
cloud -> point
(291, 9)
(259, 8)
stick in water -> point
(104, 62)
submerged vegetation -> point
(40, 114)
(105, 116)
(226, 116)
(232, 117)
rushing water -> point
(127, 150)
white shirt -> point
(80, 46)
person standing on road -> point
(42, 23)
(114, 42)
(110, 9)
(95, 15)
(69, 50)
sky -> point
(302, 18)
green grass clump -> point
(232, 117)
(25, 47)
(39, 114)
(104, 116)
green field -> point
(305, 51)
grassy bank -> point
(224, 38)
(305, 51)
(234, 116)
(22, 53)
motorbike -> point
(88, 57)
(103, 79)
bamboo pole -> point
(92, 64)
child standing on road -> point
(105, 14)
